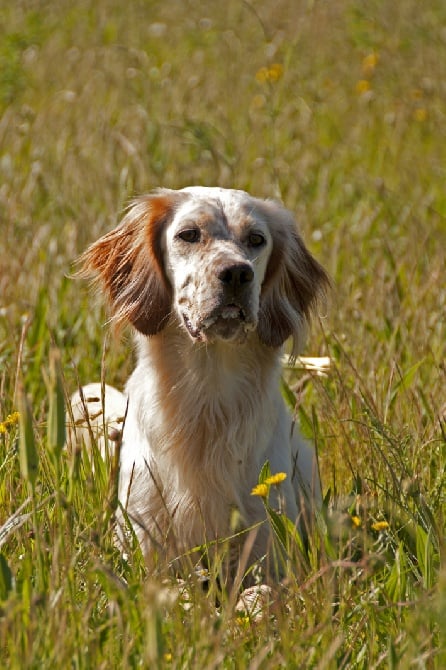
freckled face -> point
(216, 255)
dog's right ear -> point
(128, 264)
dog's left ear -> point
(128, 263)
(294, 282)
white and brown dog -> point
(213, 281)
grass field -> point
(339, 109)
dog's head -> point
(216, 262)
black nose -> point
(236, 275)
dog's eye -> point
(256, 240)
(190, 235)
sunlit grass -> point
(337, 108)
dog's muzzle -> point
(229, 322)
(232, 318)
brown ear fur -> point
(128, 263)
(294, 281)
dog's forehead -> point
(227, 196)
(227, 206)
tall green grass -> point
(337, 108)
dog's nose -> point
(236, 275)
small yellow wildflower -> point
(420, 114)
(272, 73)
(10, 420)
(260, 490)
(243, 621)
(262, 75)
(380, 525)
(168, 656)
(363, 86)
(356, 521)
(276, 72)
(276, 479)
(369, 64)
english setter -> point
(213, 282)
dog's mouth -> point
(229, 322)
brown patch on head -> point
(128, 262)
(293, 281)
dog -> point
(213, 282)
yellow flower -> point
(262, 75)
(243, 621)
(10, 420)
(272, 73)
(276, 479)
(356, 521)
(362, 86)
(380, 525)
(260, 490)
(420, 114)
(276, 72)
(369, 64)
(167, 656)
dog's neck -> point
(217, 371)
(215, 403)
